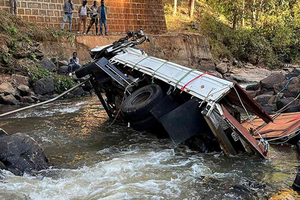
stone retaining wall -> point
(123, 15)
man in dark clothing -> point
(13, 7)
(73, 63)
(102, 10)
(68, 10)
(94, 17)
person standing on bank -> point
(68, 10)
(102, 10)
(13, 6)
(94, 17)
(83, 11)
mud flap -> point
(184, 122)
(166, 105)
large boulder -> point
(7, 88)
(293, 107)
(292, 89)
(20, 153)
(263, 99)
(8, 99)
(63, 70)
(269, 82)
(48, 64)
(62, 63)
(222, 67)
(44, 85)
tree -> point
(192, 7)
(175, 7)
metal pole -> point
(98, 92)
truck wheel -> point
(145, 124)
(137, 106)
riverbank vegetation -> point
(20, 50)
(262, 32)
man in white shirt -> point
(73, 63)
(83, 11)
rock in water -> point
(20, 153)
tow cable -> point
(45, 102)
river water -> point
(92, 159)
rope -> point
(126, 90)
(182, 89)
(153, 74)
(262, 140)
(45, 102)
(285, 87)
(139, 62)
(184, 77)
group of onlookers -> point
(84, 11)
(94, 11)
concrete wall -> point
(123, 15)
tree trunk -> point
(175, 7)
(192, 7)
(243, 14)
(253, 13)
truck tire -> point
(137, 106)
(145, 124)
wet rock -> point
(293, 107)
(27, 100)
(78, 92)
(2, 166)
(7, 88)
(20, 80)
(20, 153)
(63, 70)
(269, 82)
(292, 89)
(9, 99)
(48, 64)
(24, 90)
(44, 85)
(253, 87)
(222, 68)
(263, 99)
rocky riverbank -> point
(271, 89)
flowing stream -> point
(92, 160)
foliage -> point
(36, 72)
(62, 83)
(258, 31)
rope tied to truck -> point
(134, 66)
(183, 77)
(182, 89)
(153, 74)
(262, 140)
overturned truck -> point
(152, 93)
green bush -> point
(62, 83)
